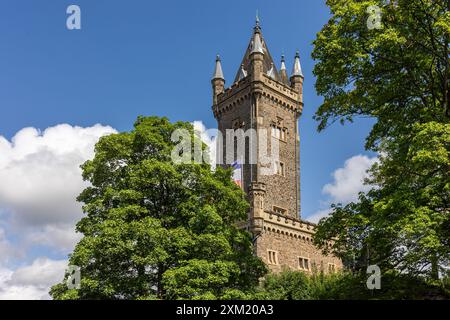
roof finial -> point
(257, 23)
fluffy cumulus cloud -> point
(32, 281)
(347, 182)
(40, 177)
(40, 173)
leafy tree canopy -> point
(397, 75)
(158, 230)
(295, 285)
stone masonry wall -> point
(290, 244)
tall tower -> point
(264, 100)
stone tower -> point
(269, 103)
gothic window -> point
(272, 257)
(303, 263)
(279, 210)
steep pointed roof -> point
(297, 69)
(218, 73)
(257, 44)
(242, 73)
(283, 72)
(271, 72)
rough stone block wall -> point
(290, 249)
(283, 189)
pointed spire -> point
(242, 73)
(256, 41)
(283, 71)
(218, 74)
(297, 70)
(257, 44)
(271, 72)
(283, 64)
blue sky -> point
(156, 58)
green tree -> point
(397, 75)
(158, 230)
(296, 285)
(287, 285)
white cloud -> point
(31, 282)
(40, 172)
(347, 183)
(349, 180)
(40, 178)
(316, 216)
(62, 237)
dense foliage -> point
(295, 285)
(158, 230)
(399, 76)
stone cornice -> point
(271, 89)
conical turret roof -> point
(258, 44)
